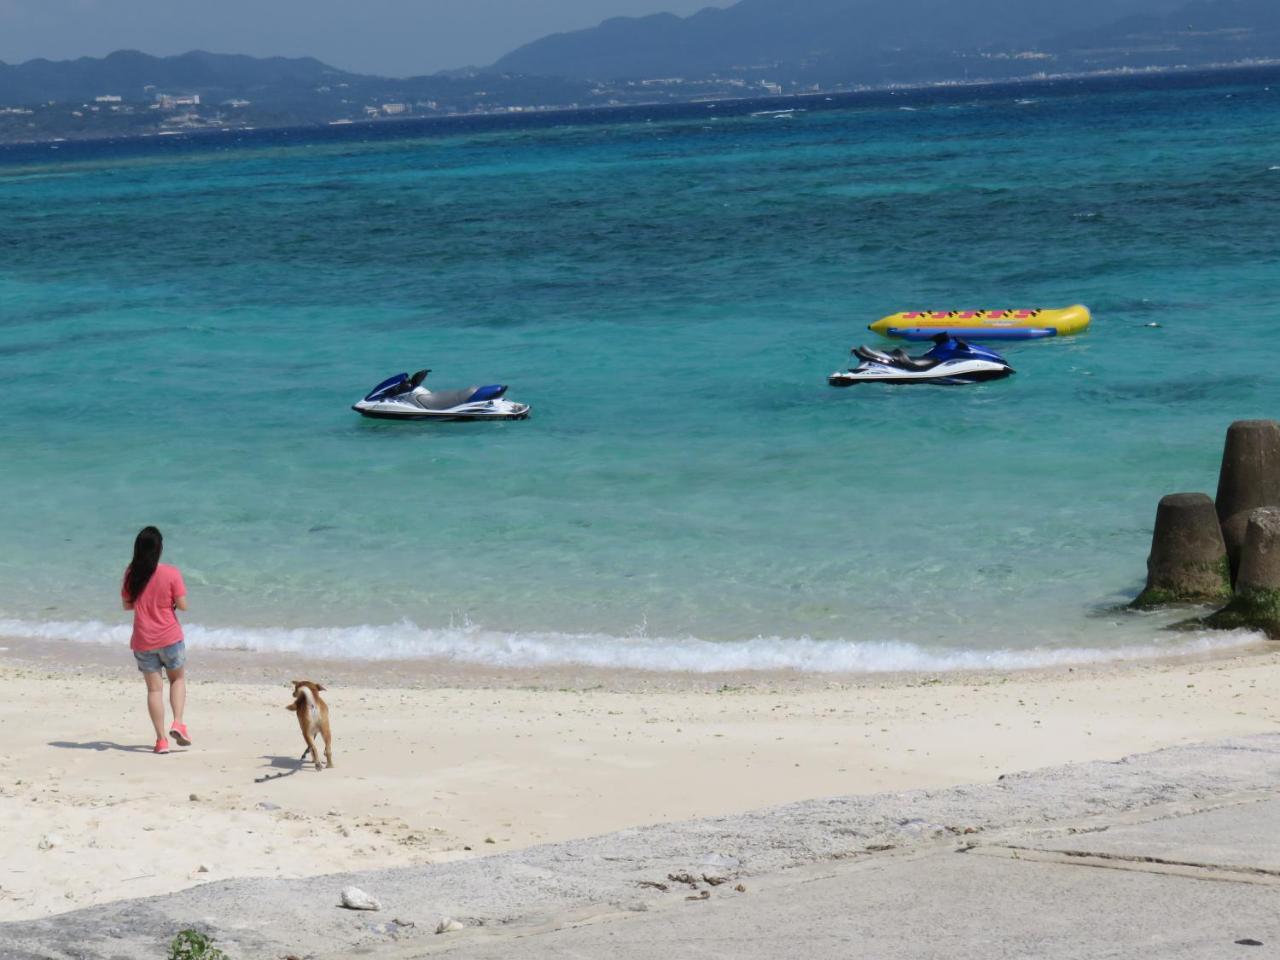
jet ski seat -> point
(900, 359)
(443, 399)
(870, 353)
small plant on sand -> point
(194, 945)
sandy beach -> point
(436, 763)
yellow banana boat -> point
(985, 324)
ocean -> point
(185, 321)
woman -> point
(153, 591)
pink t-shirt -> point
(155, 623)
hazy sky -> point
(392, 37)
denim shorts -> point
(172, 657)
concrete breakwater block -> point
(1256, 604)
(1188, 560)
(1249, 478)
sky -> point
(387, 37)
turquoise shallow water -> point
(184, 325)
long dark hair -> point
(146, 554)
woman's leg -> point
(177, 693)
(155, 700)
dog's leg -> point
(311, 748)
(299, 708)
(328, 741)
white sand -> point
(423, 773)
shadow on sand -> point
(100, 745)
(287, 766)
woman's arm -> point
(180, 603)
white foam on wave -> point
(477, 645)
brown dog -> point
(313, 715)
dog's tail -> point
(301, 700)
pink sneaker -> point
(179, 732)
(162, 745)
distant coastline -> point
(553, 114)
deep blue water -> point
(184, 323)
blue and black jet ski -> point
(949, 361)
(403, 397)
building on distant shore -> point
(390, 109)
(169, 102)
(236, 103)
(108, 98)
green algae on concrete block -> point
(1216, 577)
(1256, 605)
(1249, 610)
(1188, 561)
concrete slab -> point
(1240, 837)
(945, 907)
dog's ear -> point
(299, 683)
(320, 686)
(292, 706)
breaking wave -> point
(479, 646)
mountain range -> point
(229, 74)
(67, 79)
(906, 41)
(752, 48)
(130, 92)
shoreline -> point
(434, 765)
(252, 666)
(473, 655)
(569, 113)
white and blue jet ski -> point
(403, 397)
(950, 361)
